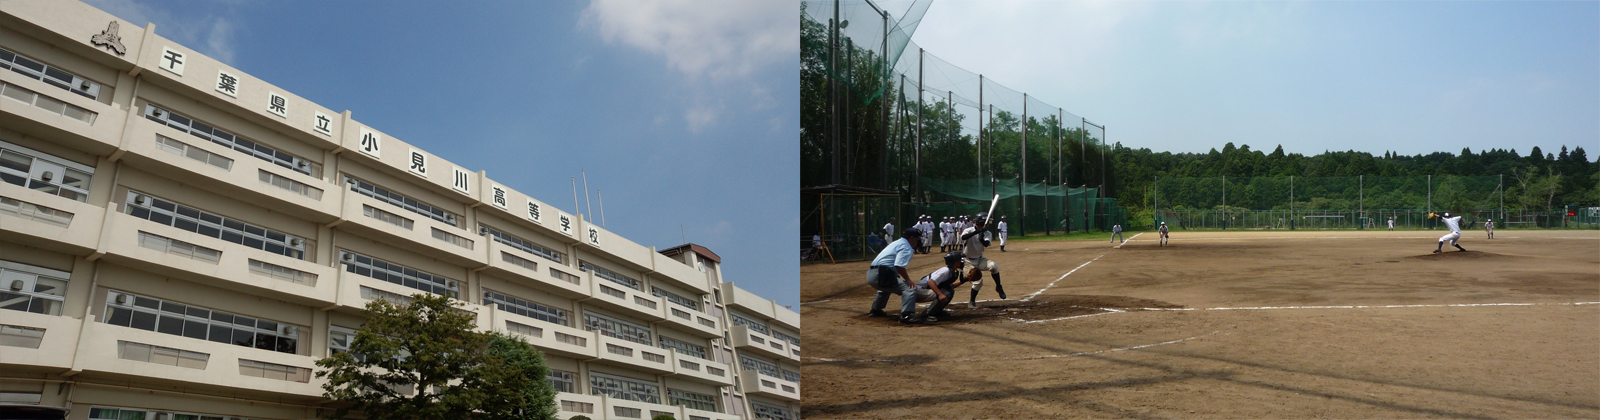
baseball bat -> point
(990, 213)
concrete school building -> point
(180, 240)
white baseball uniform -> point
(1003, 233)
(1454, 223)
(975, 260)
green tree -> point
(429, 346)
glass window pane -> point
(119, 316)
(14, 161)
(143, 320)
(170, 325)
(220, 334)
(195, 329)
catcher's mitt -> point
(1433, 216)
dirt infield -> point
(1227, 325)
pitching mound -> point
(1455, 255)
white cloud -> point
(715, 38)
(700, 117)
(209, 34)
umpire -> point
(888, 276)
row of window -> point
(29, 211)
(398, 274)
(43, 172)
(525, 308)
(522, 244)
(49, 74)
(166, 212)
(630, 282)
(684, 348)
(401, 200)
(114, 413)
(30, 288)
(48, 103)
(167, 317)
(616, 328)
(231, 141)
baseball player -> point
(1488, 225)
(1116, 233)
(1163, 231)
(944, 236)
(888, 275)
(1454, 222)
(1391, 224)
(1003, 234)
(973, 247)
(940, 287)
(888, 230)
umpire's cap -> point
(910, 232)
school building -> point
(181, 240)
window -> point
(676, 298)
(398, 274)
(684, 348)
(624, 388)
(48, 103)
(282, 273)
(627, 412)
(785, 337)
(19, 336)
(525, 308)
(398, 200)
(243, 145)
(45, 173)
(564, 276)
(179, 248)
(752, 323)
(49, 74)
(113, 413)
(577, 407)
(523, 244)
(791, 376)
(619, 350)
(34, 212)
(453, 239)
(759, 365)
(386, 217)
(162, 355)
(339, 339)
(274, 371)
(166, 212)
(609, 275)
(527, 330)
(34, 289)
(194, 153)
(562, 381)
(167, 317)
(293, 186)
(773, 412)
(692, 400)
(369, 293)
(616, 328)
(519, 261)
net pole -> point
(1361, 185)
(1022, 177)
(918, 180)
(1291, 202)
(1083, 131)
(833, 95)
(883, 98)
(980, 131)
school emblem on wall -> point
(110, 39)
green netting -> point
(1359, 202)
(847, 221)
(1030, 208)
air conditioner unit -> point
(349, 257)
(483, 230)
(450, 218)
(46, 176)
(301, 164)
(139, 199)
(296, 242)
(121, 299)
(288, 330)
(83, 85)
(16, 285)
(158, 113)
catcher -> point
(1454, 222)
(973, 244)
(940, 286)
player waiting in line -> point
(1454, 222)
(888, 275)
(973, 248)
(1003, 233)
(927, 233)
(1116, 233)
(940, 287)
(1163, 231)
(888, 230)
(947, 234)
(1488, 225)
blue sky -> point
(1411, 77)
(680, 112)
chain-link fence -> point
(1358, 202)
(879, 111)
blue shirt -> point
(898, 254)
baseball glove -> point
(1433, 216)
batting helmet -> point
(911, 232)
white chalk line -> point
(1040, 357)
(1063, 276)
(1109, 311)
(1356, 237)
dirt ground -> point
(1280, 324)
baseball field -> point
(1276, 324)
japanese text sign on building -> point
(459, 181)
(371, 143)
(277, 104)
(594, 236)
(533, 211)
(322, 123)
(172, 60)
(418, 164)
(499, 199)
(227, 83)
(565, 222)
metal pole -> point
(1082, 151)
(833, 95)
(1291, 202)
(1023, 176)
(849, 74)
(918, 179)
(1500, 187)
(1361, 194)
(883, 98)
(1224, 202)
(980, 129)
(1430, 193)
